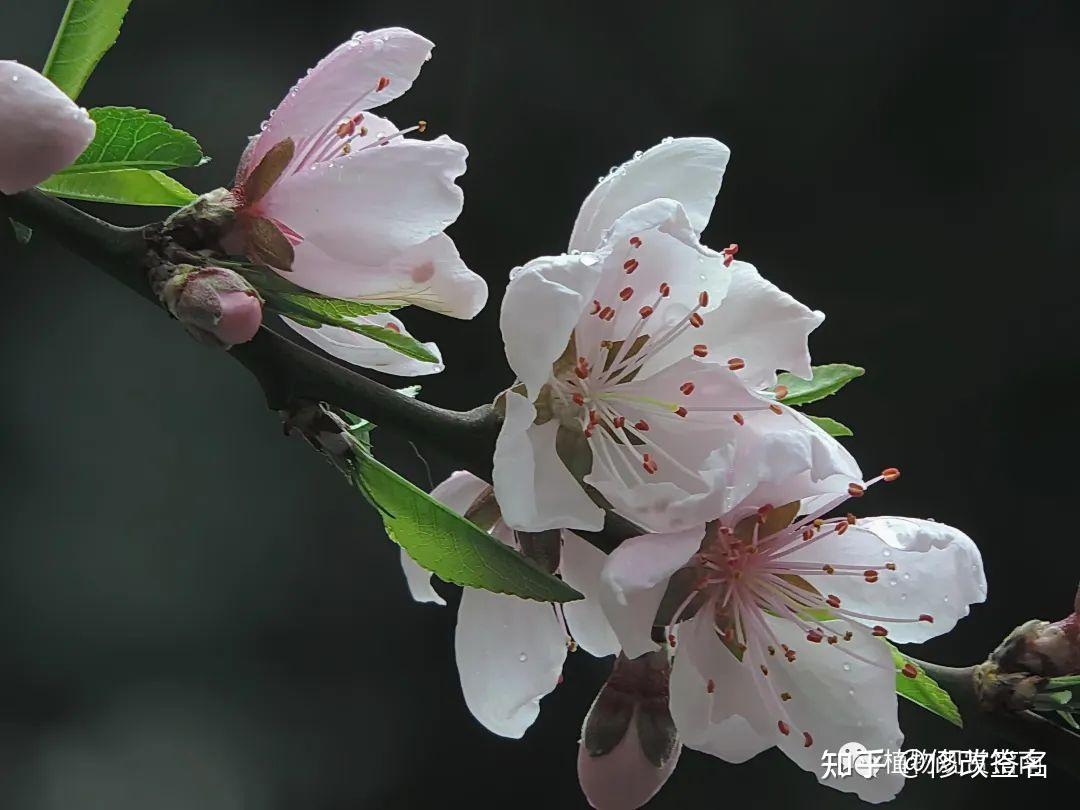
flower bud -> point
(41, 130)
(1050, 649)
(217, 306)
(628, 743)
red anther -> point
(891, 474)
(815, 636)
(855, 490)
(588, 432)
(738, 417)
(776, 409)
(926, 617)
(346, 128)
(681, 411)
(619, 421)
(645, 312)
(582, 368)
(393, 327)
(607, 313)
(832, 639)
(807, 739)
(595, 307)
(807, 533)
(910, 671)
(383, 82)
(772, 650)
(828, 569)
(765, 670)
(870, 575)
(790, 655)
(687, 388)
(594, 418)
(626, 293)
(736, 363)
(641, 424)
(703, 298)
(781, 391)
(696, 320)
(421, 126)
(671, 639)
(648, 464)
(851, 518)
(848, 635)
(635, 241)
(729, 253)
(630, 265)
(879, 631)
(785, 696)
(785, 729)
(363, 132)
(710, 687)
(665, 290)
(833, 601)
(701, 350)
(891, 566)
(841, 527)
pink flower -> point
(510, 651)
(776, 618)
(41, 130)
(341, 203)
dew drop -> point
(907, 576)
(903, 597)
(638, 154)
(668, 139)
(847, 667)
(886, 553)
(944, 599)
(14, 78)
(893, 581)
(523, 658)
(601, 179)
(851, 692)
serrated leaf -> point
(129, 138)
(399, 342)
(923, 690)
(826, 380)
(125, 187)
(449, 546)
(830, 426)
(88, 29)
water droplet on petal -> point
(847, 667)
(903, 597)
(851, 692)
(14, 78)
(893, 581)
(523, 658)
(668, 139)
(638, 154)
(945, 599)
(886, 553)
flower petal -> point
(419, 581)
(368, 206)
(41, 130)
(510, 653)
(689, 170)
(429, 275)
(542, 304)
(763, 325)
(533, 487)
(634, 580)
(580, 567)
(623, 778)
(938, 573)
(343, 83)
(363, 351)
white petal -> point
(363, 351)
(540, 309)
(343, 83)
(634, 580)
(763, 325)
(419, 581)
(368, 206)
(689, 170)
(510, 653)
(580, 566)
(429, 275)
(41, 130)
(533, 487)
(938, 572)
(459, 491)
(838, 699)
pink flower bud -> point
(216, 305)
(628, 743)
(41, 130)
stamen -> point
(781, 391)
(890, 566)
(635, 241)
(926, 617)
(807, 739)
(870, 575)
(619, 421)
(910, 671)
(665, 290)
(696, 320)
(776, 409)
(626, 293)
(833, 601)
(856, 490)
(890, 475)
(815, 636)
(648, 464)
(630, 265)
(736, 363)
(703, 298)
(828, 569)
(641, 425)
(738, 417)
(710, 687)
(382, 85)
(681, 411)
(687, 388)
(701, 350)
(785, 729)
(595, 307)
(645, 311)
(785, 696)
(729, 254)
(879, 631)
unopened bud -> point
(216, 305)
(628, 744)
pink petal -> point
(622, 779)
(41, 130)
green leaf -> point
(446, 544)
(923, 690)
(129, 138)
(830, 426)
(361, 428)
(401, 343)
(89, 28)
(826, 380)
(126, 186)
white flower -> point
(344, 205)
(510, 651)
(644, 361)
(41, 130)
(776, 622)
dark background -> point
(198, 613)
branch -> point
(287, 372)
(1022, 728)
